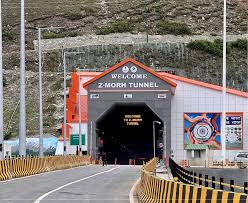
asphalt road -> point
(83, 184)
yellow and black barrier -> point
(190, 177)
(13, 168)
(153, 189)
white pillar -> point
(40, 96)
(22, 118)
(79, 115)
(1, 88)
(64, 61)
(223, 118)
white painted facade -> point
(193, 98)
(75, 130)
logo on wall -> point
(205, 128)
(133, 69)
(125, 69)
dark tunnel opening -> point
(125, 131)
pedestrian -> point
(104, 159)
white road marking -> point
(63, 186)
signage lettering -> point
(127, 85)
(129, 78)
(132, 119)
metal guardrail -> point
(193, 178)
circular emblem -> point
(202, 131)
(125, 69)
(133, 69)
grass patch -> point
(215, 47)
(73, 15)
(52, 35)
(174, 28)
(89, 11)
(7, 135)
(116, 27)
(8, 35)
(240, 44)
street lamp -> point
(154, 137)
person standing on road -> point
(104, 159)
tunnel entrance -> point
(125, 131)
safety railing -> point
(152, 189)
(18, 167)
(194, 178)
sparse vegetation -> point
(116, 27)
(89, 10)
(214, 47)
(7, 135)
(73, 15)
(174, 28)
(8, 35)
(4, 82)
(240, 44)
(53, 35)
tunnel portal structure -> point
(123, 103)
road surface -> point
(83, 184)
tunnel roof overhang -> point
(140, 65)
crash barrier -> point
(153, 189)
(190, 177)
(213, 164)
(13, 168)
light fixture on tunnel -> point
(154, 137)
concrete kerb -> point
(133, 196)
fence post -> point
(213, 184)
(206, 182)
(200, 179)
(195, 174)
(191, 177)
(245, 187)
(231, 185)
(221, 185)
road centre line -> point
(63, 186)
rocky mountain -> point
(186, 20)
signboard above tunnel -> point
(130, 75)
